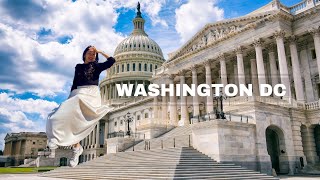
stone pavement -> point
(35, 177)
(25, 177)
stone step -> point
(164, 176)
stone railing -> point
(298, 7)
(228, 117)
(302, 6)
(271, 100)
(312, 105)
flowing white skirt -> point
(76, 117)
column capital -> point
(292, 39)
(238, 50)
(207, 62)
(315, 31)
(182, 72)
(171, 76)
(193, 67)
(221, 56)
(257, 42)
(279, 34)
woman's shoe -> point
(75, 158)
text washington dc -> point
(201, 90)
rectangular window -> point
(313, 54)
(145, 67)
(139, 66)
(133, 67)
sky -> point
(42, 40)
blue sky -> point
(43, 40)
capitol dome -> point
(137, 58)
(138, 42)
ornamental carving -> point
(213, 35)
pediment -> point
(218, 31)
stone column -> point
(173, 104)
(106, 130)
(260, 64)
(209, 82)
(183, 100)
(135, 85)
(254, 77)
(296, 70)
(223, 70)
(164, 109)
(90, 139)
(235, 75)
(283, 65)
(123, 94)
(241, 74)
(196, 109)
(273, 66)
(306, 73)
(98, 135)
(155, 109)
(316, 37)
(309, 146)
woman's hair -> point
(84, 54)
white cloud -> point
(46, 68)
(2, 136)
(36, 106)
(22, 115)
(150, 7)
(194, 15)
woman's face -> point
(90, 55)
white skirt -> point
(76, 117)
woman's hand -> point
(101, 52)
(96, 50)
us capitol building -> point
(271, 45)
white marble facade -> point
(274, 44)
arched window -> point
(139, 66)
(134, 67)
(128, 67)
(155, 67)
(150, 67)
(145, 67)
(122, 68)
(118, 68)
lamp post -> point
(220, 98)
(128, 119)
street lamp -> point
(128, 119)
(220, 98)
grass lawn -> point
(13, 170)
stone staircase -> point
(169, 156)
(177, 137)
(171, 163)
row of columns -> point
(257, 70)
(92, 140)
